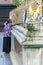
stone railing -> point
(28, 49)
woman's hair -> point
(8, 21)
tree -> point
(18, 2)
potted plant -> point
(31, 31)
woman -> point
(7, 36)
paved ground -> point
(8, 59)
(5, 58)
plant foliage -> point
(18, 2)
(31, 30)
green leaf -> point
(31, 30)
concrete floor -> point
(5, 58)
